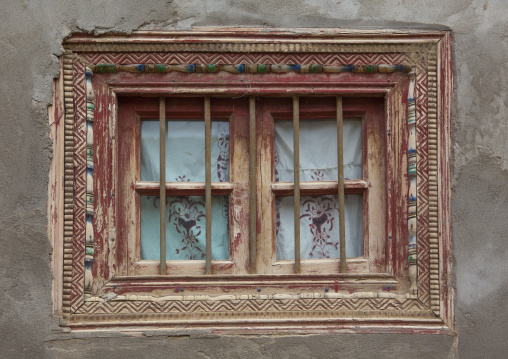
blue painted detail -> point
(294, 68)
(191, 68)
(241, 68)
(350, 68)
(412, 198)
(140, 68)
(88, 73)
(411, 151)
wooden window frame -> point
(90, 293)
(370, 111)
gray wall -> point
(31, 34)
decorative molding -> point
(267, 306)
(412, 170)
(89, 231)
(249, 47)
(68, 182)
(422, 183)
(433, 182)
(326, 59)
(79, 162)
(419, 59)
(248, 68)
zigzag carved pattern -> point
(248, 305)
(422, 187)
(236, 58)
(78, 240)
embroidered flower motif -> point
(317, 176)
(182, 179)
(321, 211)
(223, 158)
(185, 214)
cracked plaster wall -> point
(31, 33)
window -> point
(185, 213)
(209, 121)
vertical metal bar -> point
(162, 187)
(340, 170)
(252, 183)
(296, 195)
(208, 186)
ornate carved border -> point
(301, 56)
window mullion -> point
(340, 185)
(208, 186)
(162, 187)
(296, 146)
(252, 184)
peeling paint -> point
(32, 34)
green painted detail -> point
(314, 68)
(211, 68)
(160, 68)
(90, 251)
(370, 69)
(105, 68)
(89, 152)
(89, 198)
(261, 69)
(90, 106)
(412, 169)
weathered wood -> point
(252, 184)
(340, 184)
(239, 222)
(393, 237)
(319, 188)
(444, 100)
(184, 188)
(162, 184)
(296, 180)
(57, 173)
(250, 68)
(322, 266)
(208, 186)
(199, 284)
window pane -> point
(318, 150)
(185, 151)
(319, 227)
(185, 227)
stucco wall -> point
(31, 33)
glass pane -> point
(318, 150)
(185, 227)
(185, 151)
(319, 227)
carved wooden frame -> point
(422, 61)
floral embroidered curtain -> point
(185, 162)
(319, 215)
